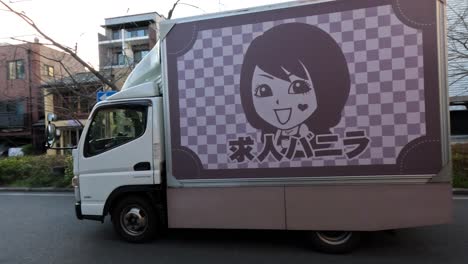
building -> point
(126, 40)
(457, 29)
(23, 69)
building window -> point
(16, 70)
(118, 58)
(48, 71)
(116, 34)
(137, 32)
(12, 114)
(139, 55)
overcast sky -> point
(79, 21)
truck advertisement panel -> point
(340, 88)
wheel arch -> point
(151, 192)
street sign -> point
(101, 96)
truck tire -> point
(135, 219)
(335, 242)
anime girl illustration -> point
(294, 82)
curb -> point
(35, 189)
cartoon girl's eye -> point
(299, 87)
(263, 90)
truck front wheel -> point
(135, 219)
(335, 242)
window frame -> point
(117, 105)
(118, 59)
(137, 32)
(116, 34)
(47, 70)
(140, 52)
(16, 70)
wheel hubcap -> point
(334, 237)
(134, 220)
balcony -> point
(133, 36)
(131, 41)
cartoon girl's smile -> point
(283, 115)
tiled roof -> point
(81, 78)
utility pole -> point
(29, 100)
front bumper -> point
(78, 213)
(81, 216)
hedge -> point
(460, 165)
(36, 171)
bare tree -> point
(65, 49)
(457, 33)
(176, 3)
(169, 14)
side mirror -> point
(52, 134)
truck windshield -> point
(114, 126)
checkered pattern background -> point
(386, 100)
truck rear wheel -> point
(335, 242)
(135, 219)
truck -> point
(328, 117)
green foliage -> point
(28, 149)
(460, 165)
(68, 170)
(33, 171)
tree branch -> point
(169, 14)
(67, 50)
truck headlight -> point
(75, 181)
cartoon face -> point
(283, 104)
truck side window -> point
(114, 126)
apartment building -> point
(127, 39)
(23, 69)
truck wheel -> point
(335, 242)
(135, 219)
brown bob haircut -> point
(286, 46)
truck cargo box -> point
(316, 115)
(333, 91)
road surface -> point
(42, 228)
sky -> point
(79, 22)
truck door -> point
(117, 151)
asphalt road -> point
(42, 228)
